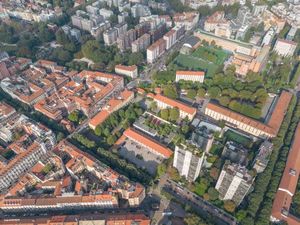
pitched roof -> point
(191, 73)
(173, 103)
(289, 180)
(127, 68)
(139, 137)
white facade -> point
(130, 71)
(237, 124)
(187, 164)
(285, 48)
(189, 77)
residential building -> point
(139, 10)
(155, 50)
(285, 48)
(121, 28)
(170, 38)
(288, 185)
(141, 43)
(251, 126)
(111, 106)
(291, 34)
(195, 76)
(106, 13)
(101, 219)
(125, 41)
(187, 19)
(110, 36)
(165, 102)
(130, 71)
(122, 17)
(235, 152)
(234, 183)
(262, 158)
(154, 146)
(188, 161)
(202, 137)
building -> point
(125, 41)
(218, 24)
(170, 38)
(195, 76)
(121, 28)
(145, 141)
(234, 183)
(110, 36)
(165, 102)
(263, 156)
(288, 185)
(251, 126)
(155, 50)
(130, 71)
(187, 19)
(285, 48)
(291, 34)
(235, 153)
(111, 106)
(188, 161)
(139, 10)
(33, 145)
(106, 13)
(141, 43)
(101, 219)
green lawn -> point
(218, 56)
(233, 136)
(207, 59)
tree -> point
(153, 106)
(241, 214)
(224, 100)
(201, 187)
(192, 93)
(74, 116)
(229, 206)
(160, 170)
(201, 92)
(111, 139)
(193, 219)
(173, 114)
(214, 92)
(170, 91)
(164, 114)
(136, 58)
(213, 194)
(214, 173)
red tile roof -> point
(289, 180)
(154, 145)
(173, 103)
(127, 68)
(192, 73)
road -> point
(184, 195)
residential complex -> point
(107, 219)
(251, 126)
(234, 183)
(263, 156)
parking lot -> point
(140, 156)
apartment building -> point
(170, 38)
(288, 185)
(130, 71)
(31, 204)
(155, 50)
(187, 19)
(194, 76)
(165, 102)
(110, 36)
(234, 183)
(145, 141)
(141, 43)
(188, 161)
(139, 10)
(125, 41)
(106, 13)
(29, 148)
(111, 106)
(285, 48)
(251, 126)
(101, 219)
(262, 158)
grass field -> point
(199, 60)
(233, 136)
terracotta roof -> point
(192, 73)
(280, 110)
(156, 44)
(289, 180)
(173, 103)
(127, 68)
(156, 146)
(287, 41)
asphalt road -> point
(186, 196)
